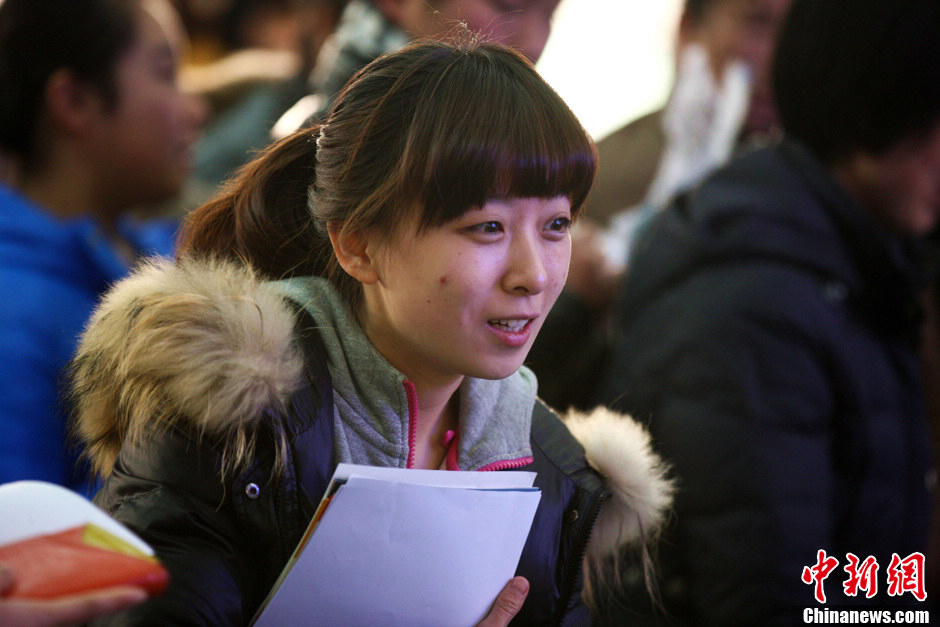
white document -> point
(407, 547)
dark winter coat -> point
(768, 338)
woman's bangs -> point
(508, 135)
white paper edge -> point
(33, 508)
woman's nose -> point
(526, 272)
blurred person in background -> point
(93, 125)
(251, 90)
(366, 30)
(770, 328)
(217, 28)
(721, 98)
(259, 46)
(269, 24)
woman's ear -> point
(353, 253)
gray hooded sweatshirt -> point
(375, 405)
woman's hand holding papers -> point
(507, 604)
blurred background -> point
(611, 60)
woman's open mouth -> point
(514, 332)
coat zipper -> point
(581, 551)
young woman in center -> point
(366, 292)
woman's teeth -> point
(513, 326)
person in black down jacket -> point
(769, 325)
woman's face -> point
(468, 297)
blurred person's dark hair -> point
(38, 37)
(838, 93)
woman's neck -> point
(438, 408)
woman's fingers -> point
(507, 604)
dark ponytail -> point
(260, 217)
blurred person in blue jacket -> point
(93, 125)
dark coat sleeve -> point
(167, 491)
(194, 544)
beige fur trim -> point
(203, 342)
(641, 495)
(619, 449)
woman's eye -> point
(487, 227)
(560, 224)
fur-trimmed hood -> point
(211, 344)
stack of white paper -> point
(407, 547)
